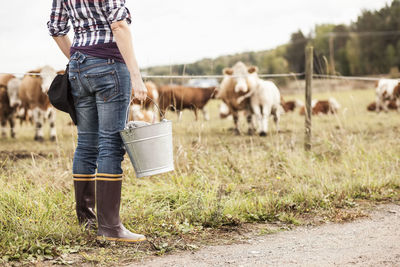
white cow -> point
(387, 90)
(265, 100)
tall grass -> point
(220, 179)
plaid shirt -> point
(91, 19)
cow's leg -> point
(29, 116)
(21, 115)
(52, 121)
(235, 116)
(250, 122)
(378, 104)
(179, 113)
(266, 112)
(259, 119)
(398, 104)
(12, 125)
(195, 114)
(276, 115)
(386, 105)
(205, 114)
(3, 127)
(38, 121)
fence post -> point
(309, 75)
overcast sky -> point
(177, 31)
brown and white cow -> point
(291, 105)
(178, 98)
(387, 90)
(330, 106)
(33, 96)
(233, 86)
(392, 105)
(7, 111)
(263, 96)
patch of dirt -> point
(371, 241)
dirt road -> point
(373, 241)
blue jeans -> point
(101, 89)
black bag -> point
(60, 95)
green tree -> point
(295, 53)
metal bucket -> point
(150, 148)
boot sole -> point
(120, 239)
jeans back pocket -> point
(105, 84)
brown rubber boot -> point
(85, 200)
(108, 198)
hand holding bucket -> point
(150, 147)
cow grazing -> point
(330, 106)
(178, 98)
(6, 109)
(387, 90)
(392, 105)
(33, 96)
(289, 106)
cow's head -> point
(243, 76)
(13, 90)
(47, 74)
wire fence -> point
(352, 78)
(278, 75)
(145, 76)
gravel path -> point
(373, 241)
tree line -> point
(368, 46)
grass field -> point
(221, 180)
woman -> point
(102, 71)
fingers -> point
(141, 94)
(139, 90)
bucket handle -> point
(155, 104)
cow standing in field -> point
(7, 110)
(387, 90)
(179, 97)
(33, 96)
(261, 97)
(265, 101)
(233, 86)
